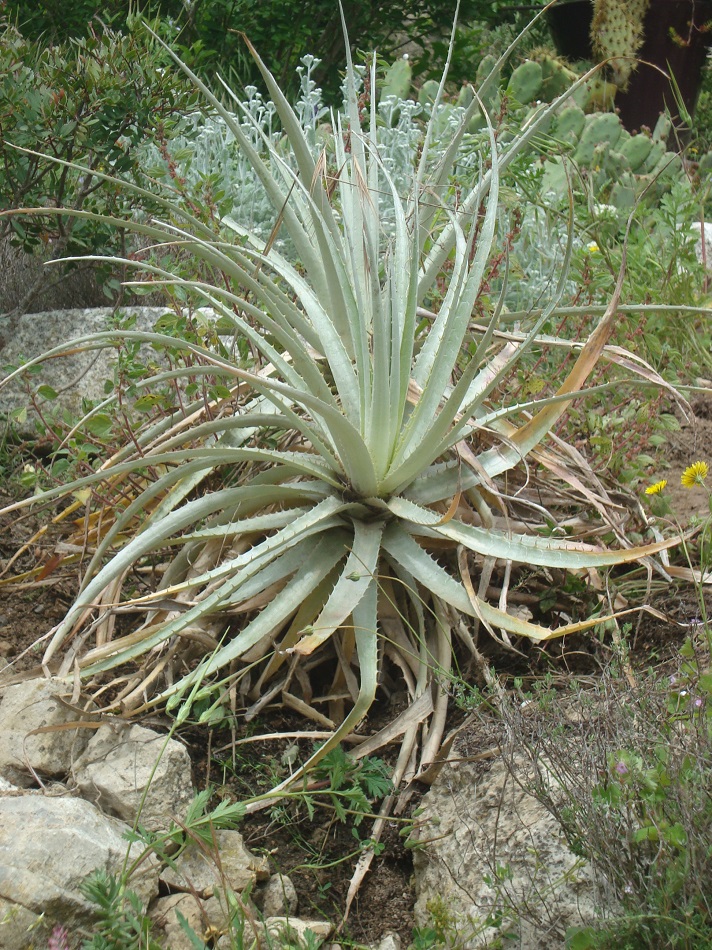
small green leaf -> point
(99, 425)
(580, 938)
(146, 403)
(221, 392)
(193, 938)
(60, 467)
(676, 835)
(647, 833)
(47, 392)
(705, 683)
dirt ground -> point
(312, 851)
(692, 443)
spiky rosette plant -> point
(354, 488)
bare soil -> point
(692, 443)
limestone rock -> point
(48, 846)
(75, 376)
(389, 941)
(121, 761)
(80, 374)
(20, 928)
(278, 897)
(280, 928)
(487, 845)
(198, 873)
(707, 257)
(21, 271)
(27, 707)
(202, 916)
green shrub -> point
(97, 100)
(208, 31)
(625, 766)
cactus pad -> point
(617, 34)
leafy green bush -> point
(208, 31)
(97, 100)
(351, 785)
(122, 923)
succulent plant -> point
(617, 35)
(621, 167)
(397, 80)
(525, 82)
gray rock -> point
(200, 873)
(707, 257)
(389, 941)
(38, 704)
(20, 929)
(127, 770)
(281, 928)
(48, 846)
(201, 916)
(76, 376)
(56, 289)
(486, 845)
(278, 897)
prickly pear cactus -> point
(556, 75)
(617, 35)
(427, 92)
(397, 80)
(601, 128)
(525, 82)
(636, 150)
(583, 141)
(621, 168)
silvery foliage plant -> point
(208, 148)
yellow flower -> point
(592, 247)
(657, 488)
(694, 474)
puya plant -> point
(334, 510)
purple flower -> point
(698, 703)
(673, 680)
(621, 768)
(59, 939)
